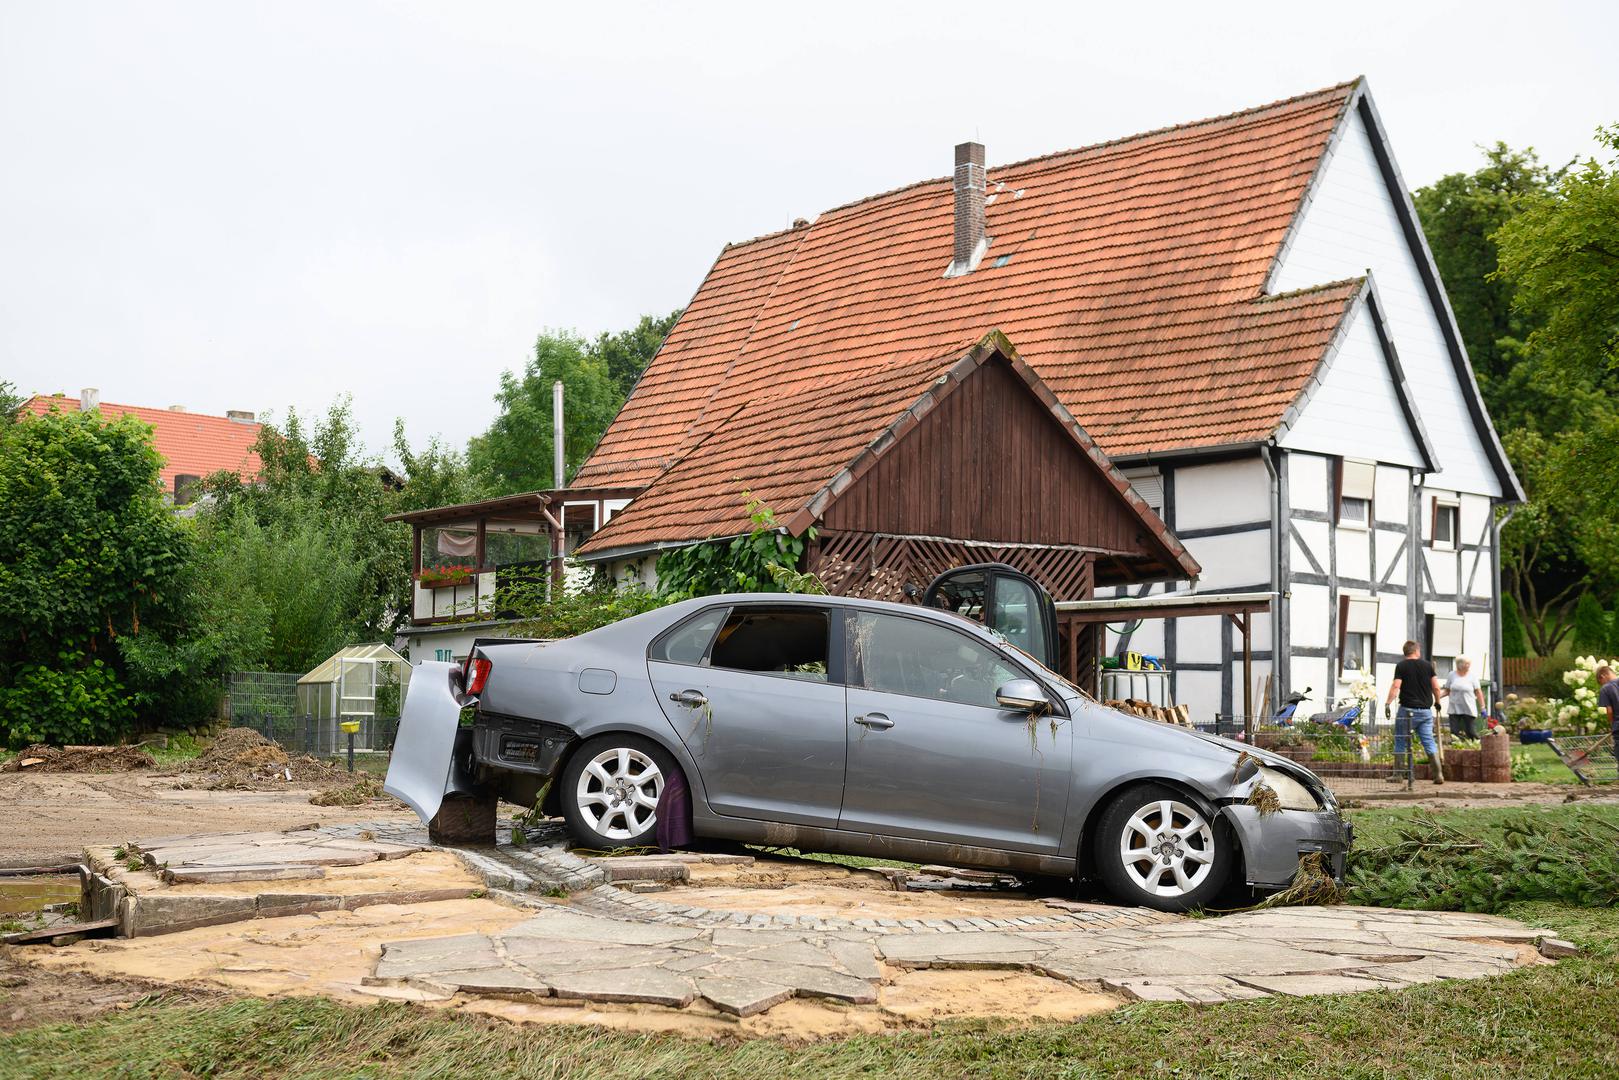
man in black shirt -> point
(1417, 685)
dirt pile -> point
(55, 759)
(362, 788)
(242, 759)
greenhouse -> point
(363, 683)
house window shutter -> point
(1343, 626)
(1360, 614)
(1433, 519)
(1446, 635)
(1149, 484)
(1353, 480)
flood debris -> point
(58, 759)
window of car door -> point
(786, 642)
(919, 658)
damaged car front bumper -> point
(1274, 842)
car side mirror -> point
(1023, 695)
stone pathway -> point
(569, 955)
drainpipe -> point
(1497, 640)
(1271, 454)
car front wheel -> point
(1156, 848)
(610, 791)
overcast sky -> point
(262, 206)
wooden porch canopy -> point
(555, 513)
(1238, 607)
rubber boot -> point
(1437, 764)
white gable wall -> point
(1355, 412)
(1350, 226)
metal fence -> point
(256, 696)
(323, 737)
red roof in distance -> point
(191, 444)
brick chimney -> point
(89, 398)
(241, 416)
(970, 183)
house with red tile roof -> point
(1238, 316)
(192, 445)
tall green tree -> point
(515, 453)
(1561, 256)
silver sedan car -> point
(856, 726)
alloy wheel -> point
(1167, 848)
(618, 791)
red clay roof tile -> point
(1133, 285)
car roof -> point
(949, 618)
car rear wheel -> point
(610, 791)
(1158, 849)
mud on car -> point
(855, 726)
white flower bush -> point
(1582, 678)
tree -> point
(1512, 637)
(1561, 255)
(433, 476)
(628, 352)
(316, 516)
(515, 454)
(93, 558)
(1592, 631)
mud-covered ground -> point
(50, 817)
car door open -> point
(755, 692)
(933, 755)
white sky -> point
(262, 206)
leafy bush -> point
(77, 699)
(568, 614)
(1571, 859)
(764, 560)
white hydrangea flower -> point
(1568, 712)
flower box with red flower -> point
(444, 577)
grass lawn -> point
(1551, 1021)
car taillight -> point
(477, 674)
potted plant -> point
(443, 577)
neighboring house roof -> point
(191, 444)
(797, 452)
(1132, 281)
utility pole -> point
(556, 434)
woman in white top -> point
(1461, 689)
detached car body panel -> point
(828, 723)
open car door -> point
(1003, 598)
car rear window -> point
(791, 642)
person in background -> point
(1417, 685)
(1608, 700)
(1464, 700)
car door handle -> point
(691, 699)
(874, 720)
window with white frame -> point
(1357, 483)
(1445, 525)
(1357, 634)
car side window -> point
(793, 642)
(918, 658)
(688, 642)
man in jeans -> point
(1417, 685)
